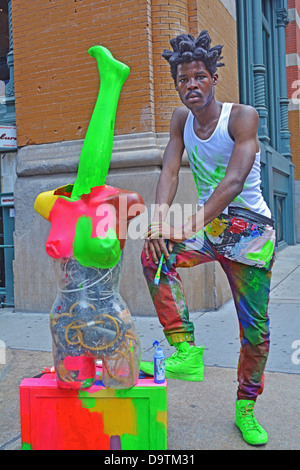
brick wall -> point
(191, 16)
(57, 82)
(167, 22)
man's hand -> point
(157, 247)
(159, 230)
(160, 234)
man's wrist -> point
(194, 224)
(187, 231)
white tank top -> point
(209, 159)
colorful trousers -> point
(250, 287)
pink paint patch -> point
(108, 208)
(65, 214)
(107, 219)
(84, 364)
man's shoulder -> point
(242, 117)
(182, 111)
(179, 118)
(243, 110)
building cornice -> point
(129, 151)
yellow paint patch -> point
(118, 414)
(216, 227)
(161, 417)
(44, 203)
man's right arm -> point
(168, 181)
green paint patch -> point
(26, 446)
(264, 255)
(206, 181)
(87, 399)
(88, 382)
(98, 143)
(95, 252)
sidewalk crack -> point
(14, 439)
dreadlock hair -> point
(186, 49)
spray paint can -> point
(159, 364)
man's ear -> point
(215, 79)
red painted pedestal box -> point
(97, 418)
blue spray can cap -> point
(159, 351)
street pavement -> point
(200, 415)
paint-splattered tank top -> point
(209, 159)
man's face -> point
(195, 85)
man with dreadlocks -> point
(232, 226)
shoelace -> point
(250, 422)
(178, 356)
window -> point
(279, 217)
(4, 41)
(2, 270)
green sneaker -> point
(185, 364)
(252, 432)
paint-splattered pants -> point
(250, 288)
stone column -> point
(259, 72)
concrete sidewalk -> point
(200, 415)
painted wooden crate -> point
(96, 419)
